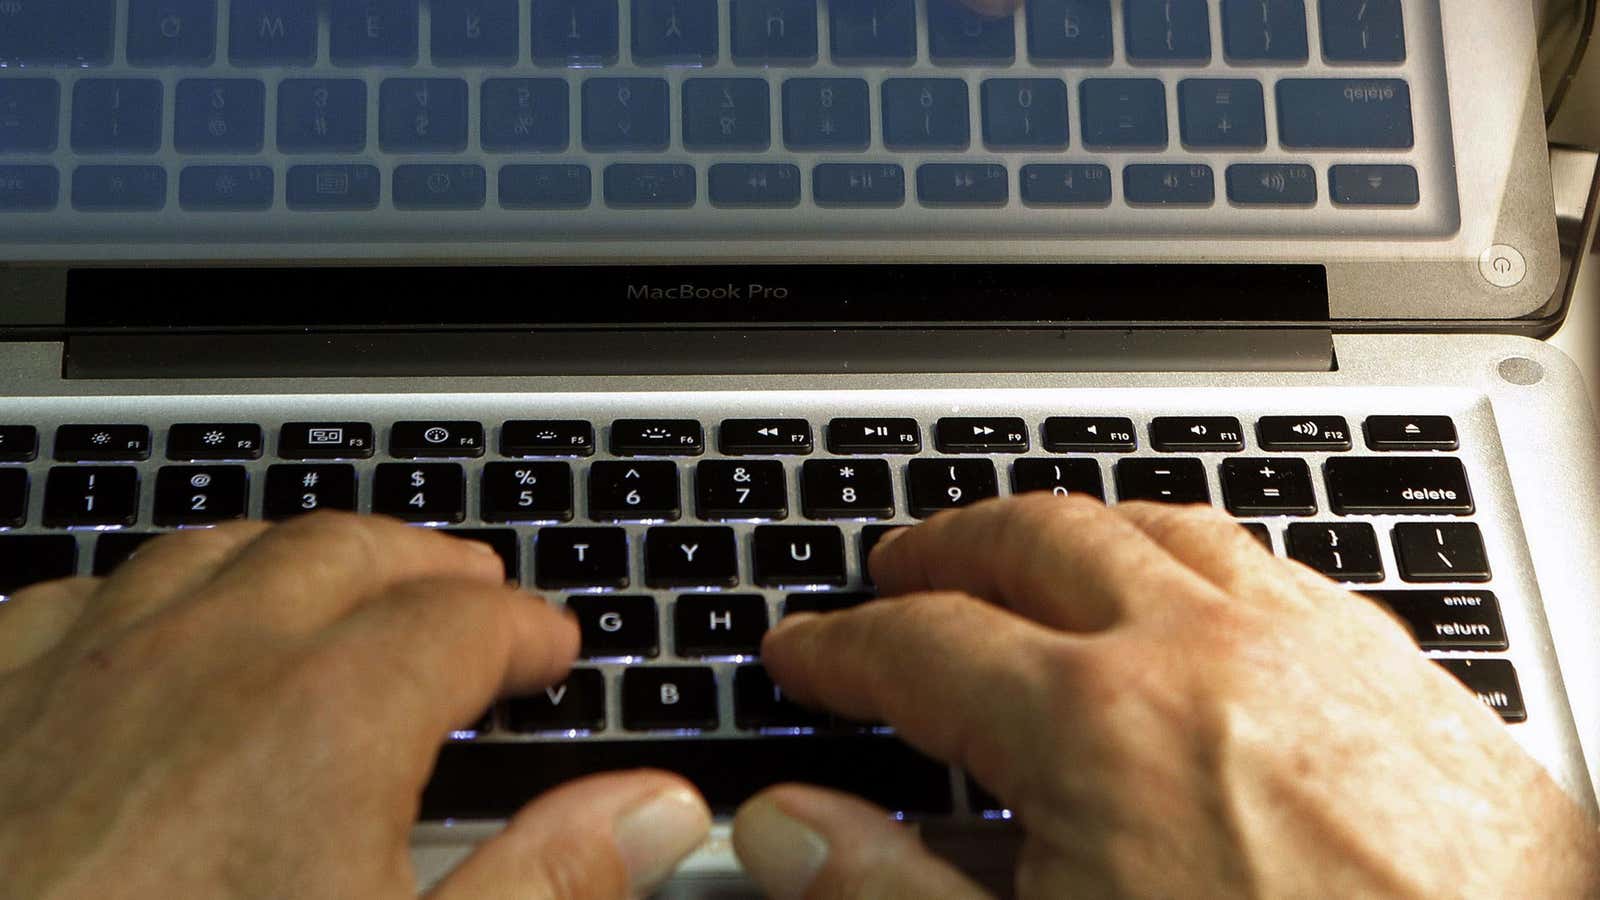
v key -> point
(577, 704)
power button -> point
(1503, 266)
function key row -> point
(689, 32)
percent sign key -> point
(527, 492)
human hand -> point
(252, 712)
(1169, 711)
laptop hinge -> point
(701, 352)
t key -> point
(581, 557)
(938, 484)
(633, 491)
(691, 557)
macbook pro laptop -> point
(598, 281)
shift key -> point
(1400, 485)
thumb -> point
(607, 836)
(799, 841)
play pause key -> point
(874, 436)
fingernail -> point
(657, 834)
(779, 851)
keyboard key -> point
(926, 113)
(547, 437)
(76, 443)
(614, 626)
(521, 114)
(873, 31)
(13, 497)
(322, 115)
(1372, 31)
(845, 184)
(963, 184)
(29, 188)
(576, 704)
(764, 437)
(1222, 112)
(874, 436)
(1272, 185)
(1495, 683)
(1025, 114)
(526, 492)
(1305, 433)
(29, 111)
(740, 490)
(826, 114)
(1374, 186)
(425, 492)
(226, 188)
(1162, 480)
(1124, 113)
(1169, 185)
(545, 187)
(575, 32)
(677, 32)
(1343, 551)
(1444, 552)
(1268, 487)
(1062, 477)
(503, 541)
(1265, 31)
(119, 188)
(727, 114)
(116, 115)
(959, 35)
(1090, 434)
(650, 186)
(933, 485)
(633, 491)
(668, 698)
(581, 558)
(657, 437)
(1411, 433)
(440, 187)
(476, 32)
(196, 442)
(326, 440)
(441, 440)
(201, 495)
(297, 490)
(691, 557)
(1260, 533)
(1398, 486)
(825, 602)
(1345, 113)
(1168, 31)
(1196, 434)
(628, 114)
(91, 496)
(113, 548)
(220, 115)
(30, 559)
(759, 703)
(57, 32)
(373, 31)
(981, 435)
(328, 188)
(1069, 31)
(799, 556)
(18, 443)
(1448, 620)
(846, 489)
(273, 32)
(492, 780)
(422, 115)
(719, 625)
(172, 32)
(1066, 185)
(779, 32)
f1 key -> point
(76, 443)
(1399, 485)
(874, 436)
(987, 435)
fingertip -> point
(782, 853)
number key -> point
(431, 492)
(847, 489)
(938, 484)
(297, 490)
(13, 497)
(82, 496)
(527, 492)
(729, 489)
(1061, 477)
(198, 495)
(633, 491)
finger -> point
(167, 568)
(961, 680)
(798, 841)
(35, 620)
(994, 7)
(1067, 562)
(317, 568)
(435, 653)
(616, 835)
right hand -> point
(1170, 711)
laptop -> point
(601, 281)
